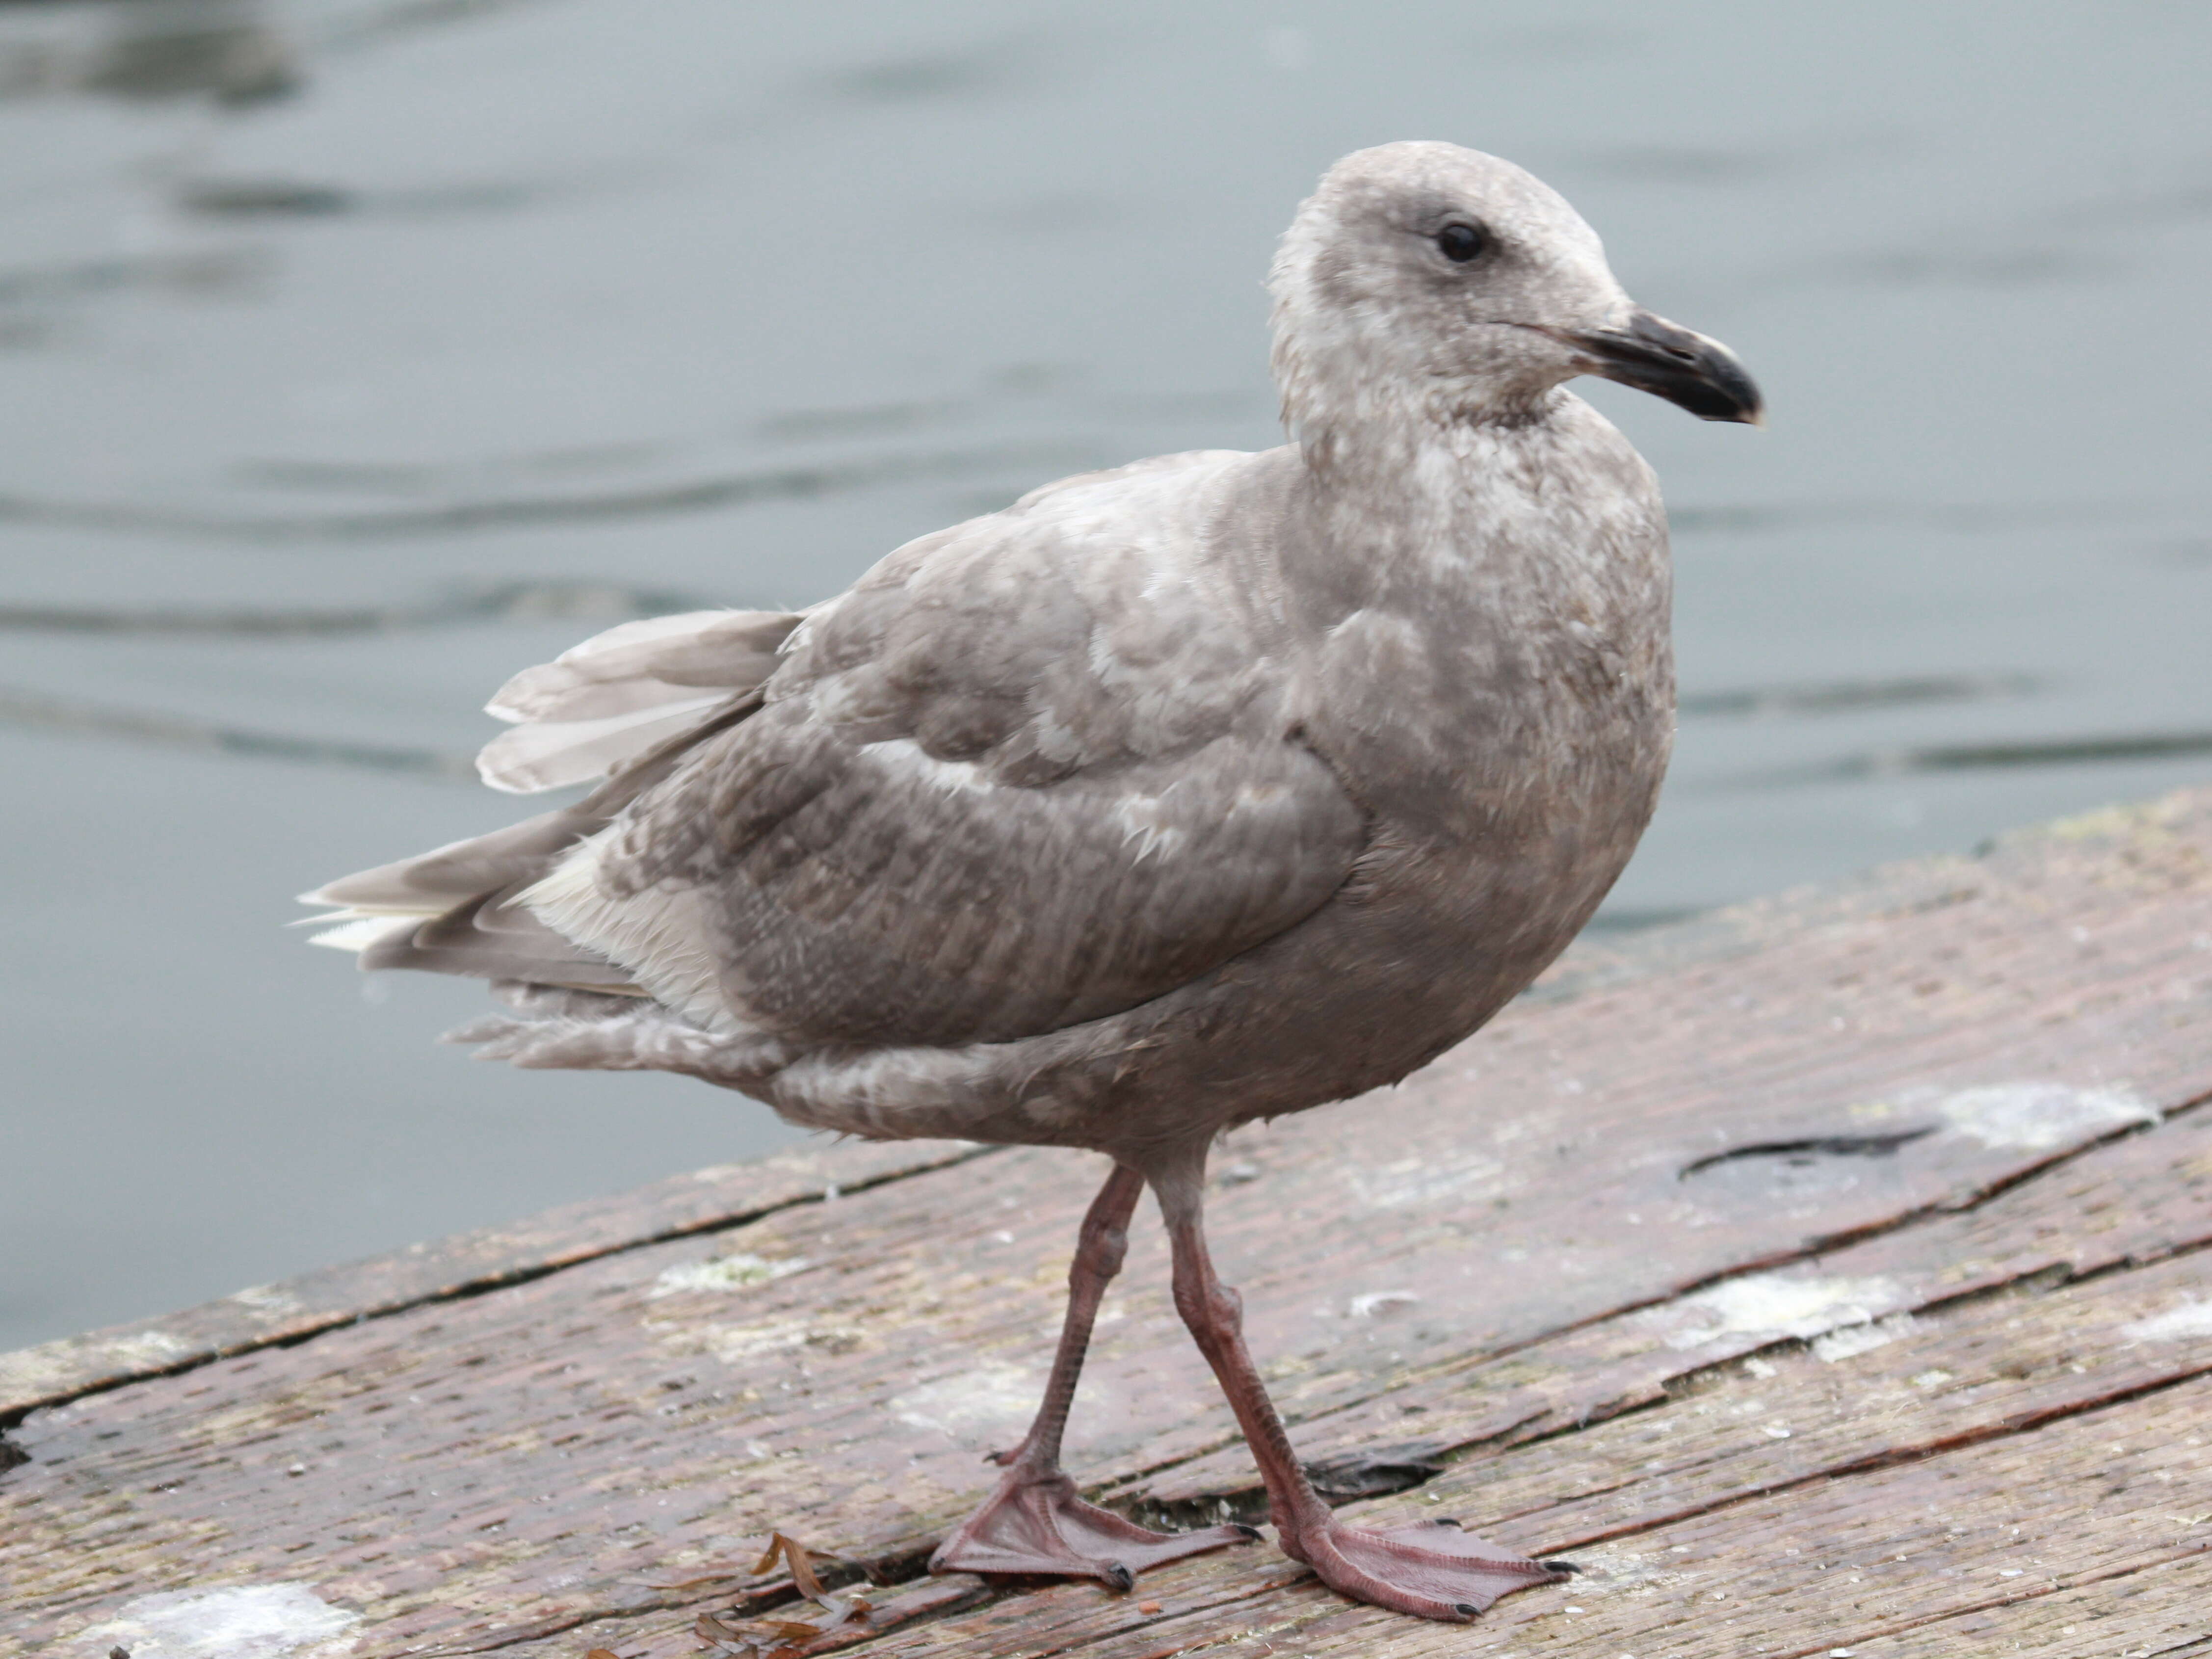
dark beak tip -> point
(1753, 413)
(1668, 361)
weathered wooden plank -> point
(2160, 1613)
(2088, 1500)
(705, 1201)
(551, 1454)
(2010, 1366)
(457, 1458)
(2140, 1197)
(2002, 1366)
(2152, 1613)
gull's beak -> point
(1655, 355)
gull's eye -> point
(1461, 242)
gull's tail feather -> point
(625, 705)
(488, 938)
(547, 754)
(348, 930)
(437, 880)
(618, 693)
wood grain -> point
(261, 1316)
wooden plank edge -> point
(1934, 881)
(1210, 1589)
(1209, 1499)
(459, 1266)
(906, 1565)
(2170, 1594)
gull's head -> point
(1430, 275)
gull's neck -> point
(1371, 430)
(1415, 474)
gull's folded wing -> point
(1030, 771)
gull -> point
(1215, 787)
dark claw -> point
(1120, 1578)
(1466, 1609)
(1447, 1521)
(1558, 1566)
(1249, 1532)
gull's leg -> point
(1034, 1522)
(1431, 1570)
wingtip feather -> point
(357, 933)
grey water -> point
(355, 353)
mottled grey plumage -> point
(1216, 786)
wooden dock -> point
(1825, 1276)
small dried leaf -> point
(723, 1637)
(602, 1653)
(802, 1569)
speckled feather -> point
(1218, 785)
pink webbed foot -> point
(1035, 1523)
(1432, 1570)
